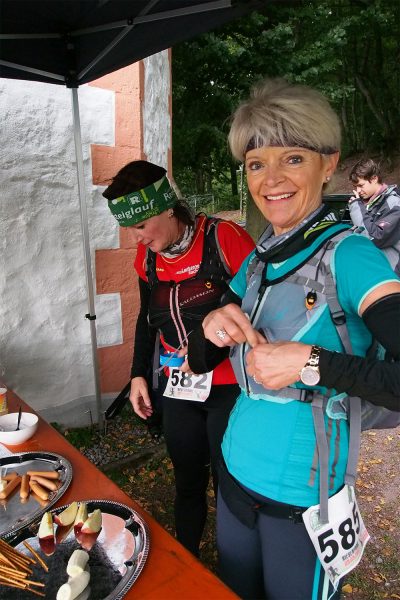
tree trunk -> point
(255, 221)
(372, 106)
(357, 125)
(234, 185)
(209, 180)
(363, 129)
(348, 132)
(199, 181)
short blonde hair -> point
(279, 113)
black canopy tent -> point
(71, 42)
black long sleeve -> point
(377, 381)
(144, 336)
(203, 355)
(372, 380)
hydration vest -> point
(213, 265)
(314, 276)
(177, 308)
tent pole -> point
(91, 316)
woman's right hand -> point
(140, 398)
(228, 326)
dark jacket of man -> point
(379, 219)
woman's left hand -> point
(185, 365)
(278, 364)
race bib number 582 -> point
(187, 386)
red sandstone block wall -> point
(114, 267)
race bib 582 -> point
(188, 386)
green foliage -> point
(81, 437)
(119, 477)
(348, 49)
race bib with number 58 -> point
(188, 386)
(341, 542)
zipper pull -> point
(311, 299)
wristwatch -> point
(310, 374)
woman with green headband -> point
(184, 264)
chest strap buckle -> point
(306, 396)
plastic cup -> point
(3, 401)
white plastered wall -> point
(45, 343)
(156, 114)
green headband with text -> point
(143, 204)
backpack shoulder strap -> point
(212, 247)
(323, 265)
(255, 265)
(318, 264)
(354, 418)
(150, 262)
(337, 313)
(318, 406)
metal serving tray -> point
(14, 514)
(115, 561)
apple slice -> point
(81, 516)
(93, 522)
(63, 532)
(67, 516)
(90, 530)
(87, 540)
(46, 527)
(46, 534)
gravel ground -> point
(125, 438)
(378, 574)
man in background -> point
(375, 209)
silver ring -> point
(256, 380)
(221, 334)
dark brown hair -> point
(134, 176)
(137, 175)
(365, 168)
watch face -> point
(310, 375)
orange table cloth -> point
(170, 572)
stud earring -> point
(327, 179)
(170, 213)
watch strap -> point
(313, 360)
